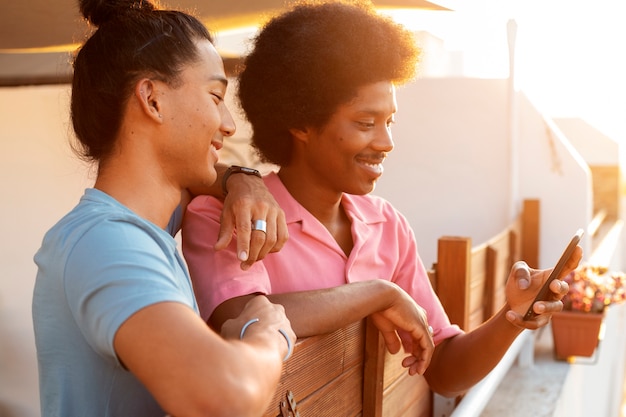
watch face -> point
(234, 169)
(245, 170)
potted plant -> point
(592, 288)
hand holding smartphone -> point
(545, 289)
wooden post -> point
(453, 277)
(531, 232)
(373, 372)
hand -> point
(523, 285)
(404, 324)
(271, 318)
(248, 199)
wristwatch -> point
(236, 169)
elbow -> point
(241, 393)
(446, 391)
(244, 399)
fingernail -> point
(243, 255)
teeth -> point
(372, 164)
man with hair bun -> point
(318, 88)
(117, 326)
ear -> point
(301, 134)
(146, 95)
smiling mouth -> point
(373, 166)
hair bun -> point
(101, 11)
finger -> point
(420, 359)
(548, 307)
(244, 231)
(521, 273)
(532, 324)
(559, 288)
(225, 234)
(391, 341)
(282, 232)
(411, 363)
(572, 262)
(270, 236)
(257, 240)
(262, 242)
(407, 341)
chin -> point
(362, 190)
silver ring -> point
(260, 225)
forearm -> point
(321, 311)
(324, 311)
(462, 361)
(192, 371)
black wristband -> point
(236, 169)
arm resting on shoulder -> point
(248, 199)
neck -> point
(321, 202)
(141, 186)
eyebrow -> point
(219, 78)
(374, 112)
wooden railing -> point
(350, 373)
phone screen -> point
(543, 293)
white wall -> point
(593, 145)
(555, 173)
(41, 180)
(451, 170)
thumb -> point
(521, 274)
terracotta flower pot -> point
(575, 333)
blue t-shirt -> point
(99, 265)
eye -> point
(365, 124)
(218, 97)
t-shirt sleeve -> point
(216, 275)
(115, 269)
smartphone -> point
(545, 290)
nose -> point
(227, 127)
(384, 140)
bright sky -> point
(570, 54)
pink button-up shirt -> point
(384, 248)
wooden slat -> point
(491, 281)
(478, 279)
(453, 277)
(373, 372)
(408, 396)
(318, 360)
(530, 232)
(343, 396)
(393, 368)
(499, 261)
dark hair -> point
(134, 39)
(308, 61)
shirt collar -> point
(364, 209)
